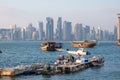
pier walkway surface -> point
(42, 68)
(62, 65)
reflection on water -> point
(7, 78)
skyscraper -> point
(93, 34)
(99, 34)
(41, 33)
(16, 33)
(59, 29)
(49, 29)
(34, 35)
(106, 35)
(23, 34)
(29, 30)
(12, 30)
(115, 33)
(87, 32)
(67, 30)
(5, 34)
(78, 32)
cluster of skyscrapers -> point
(63, 31)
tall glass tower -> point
(67, 31)
(78, 31)
(59, 29)
(41, 33)
(49, 29)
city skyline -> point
(64, 32)
(94, 13)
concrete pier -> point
(66, 68)
(22, 69)
(38, 68)
(73, 67)
(70, 66)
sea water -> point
(16, 53)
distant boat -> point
(118, 43)
(85, 44)
(97, 60)
(80, 51)
(50, 46)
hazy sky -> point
(98, 13)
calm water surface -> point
(20, 53)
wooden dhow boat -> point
(50, 46)
(85, 44)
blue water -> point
(17, 53)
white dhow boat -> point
(80, 51)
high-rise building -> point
(99, 33)
(5, 34)
(111, 36)
(78, 32)
(8, 35)
(49, 29)
(41, 33)
(67, 31)
(29, 30)
(23, 34)
(86, 32)
(115, 33)
(34, 35)
(105, 35)
(93, 34)
(15, 33)
(59, 29)
(12, 30)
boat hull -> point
(118, 43)
(47, 49)
(84, 45)
(51, 46)
(80, 51)
(97, 61)
(77, 53)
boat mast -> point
(118, 28)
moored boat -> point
(85, 44)
(118, 43)
(80, 51)
(51, 46)
(97, 61)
